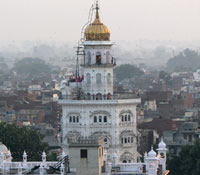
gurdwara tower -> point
(90, 108)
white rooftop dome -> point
(3, 148)
(162, 144)
(152, 153)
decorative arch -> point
(88, 78)
(73, 113)
(127, 137)
(126, 116)
(126, 156)
(72, 135)
(125, 111)
(100, 112)
(88, 96)
(109, 78)
(103, 135)
(98, 78)
(100, 117)
(127, 133)
(108, 96)
(98, 58)
(74, 117)
(99, 96)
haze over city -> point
(100, 87)
(61, 20)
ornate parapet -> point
(85, 141)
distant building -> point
(184, 135)
(196, 75)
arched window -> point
(108, 78)
(105, 140)
(107, 58)
(77, 119)
(125, 140)
(88, 96)
(162, 155)
(93, 97)
(100, 119)
(70, 119)
(88, 78)
(105, 119)
(108, 96)
(95, 119)
(88, 58)
(124, 161)
(129, 118)
(98, 78)
(122, 140)
(98, 96)
(98, 58)
(125, 118)
(74, 119)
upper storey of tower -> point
(97, 31)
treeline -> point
(187, 162)
(127, 71)
(186, 61)
(20, 139)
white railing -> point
(131, 167)
(27, 165)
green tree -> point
(187, 60)
(165, 76)
(127, 71)
(187, 162)
(18, 139)
(31, 67)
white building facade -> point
(89, 105)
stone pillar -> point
(62, 157)
(162, 152)
(108, 172)
(152, 163)
(20, 169)
(44, 159)
(41, 169)
(114, 159)
(24, 159)
(62, 169)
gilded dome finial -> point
(97, 31)
(97, 9)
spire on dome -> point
(152, 153)
(97, 18)
(97, 31)
(97, 9)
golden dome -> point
(97, 31)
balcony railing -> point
(132, 167)
(99, 97)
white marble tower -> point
(89, 105)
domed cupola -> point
(97, 31)
(162, 145)
(3, 148)
(152, 153)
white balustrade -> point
(131, 167)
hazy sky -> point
(61, 20)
